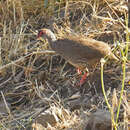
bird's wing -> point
(82, 49)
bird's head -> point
(46, 34)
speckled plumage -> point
(78, 51)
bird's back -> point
(80, 51)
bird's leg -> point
(79, 71)
(83, 77)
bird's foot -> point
(82, 81)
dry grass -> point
(35, 80)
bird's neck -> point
(51, 37)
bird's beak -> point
(40, 39)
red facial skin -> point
(41, 32)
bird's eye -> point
(40, 34)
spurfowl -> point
(80, 52)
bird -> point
(82, 52)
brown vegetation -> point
(37, 86)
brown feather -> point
(81, 52)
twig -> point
(23, 58)
(8, 110)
